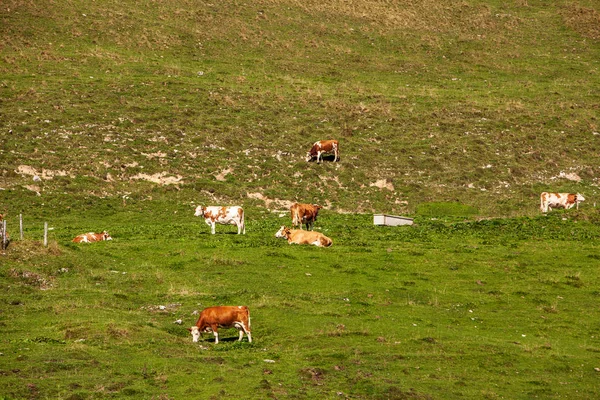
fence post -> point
(21, 225)
(45, 234)
(3, 231)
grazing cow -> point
(298, 236)
(559, 200)
(212, 318)
(304, 214)
(92, 237)
(321, 147)
(223, 215)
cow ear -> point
(189, 329)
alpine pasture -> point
(125, 116)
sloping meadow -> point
(445, 308)
(484, 103)
(123, 116)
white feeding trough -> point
(391, 220)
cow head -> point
(579, 197)
(199, 211)
(309, 157)
(283, 232)
(106, 236)
(195, 333)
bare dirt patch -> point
(270, 202)
(26, 170)
(223, 174)
(45, 174)
(161, 178)
(383, 184)
(33, 188)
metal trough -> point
(391, 220)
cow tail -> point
(247, 311)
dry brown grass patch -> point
(583, 20)
(25, 250)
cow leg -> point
(241, 228)
(318, 157)
(212, 228)
(214, 328)
(337, 155)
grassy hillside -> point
(485, 103)
(123, 115)
(482, 310)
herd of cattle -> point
(238, 317)
(301, 214)
(306, 214)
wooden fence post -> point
(3, 231)
(45, 234)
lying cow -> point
(222, 215)
(321, 147)
(548, 201)
(213, 318)
(304, 214)
(298, 236)
(92, 237)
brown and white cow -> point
(548, 201)
(213, 318)
(233, 215)
(304, 214)
(92, 237)
(297, 236)
(321, 147)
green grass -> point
(456, 114)
(442, 309)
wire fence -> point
(5, 237)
